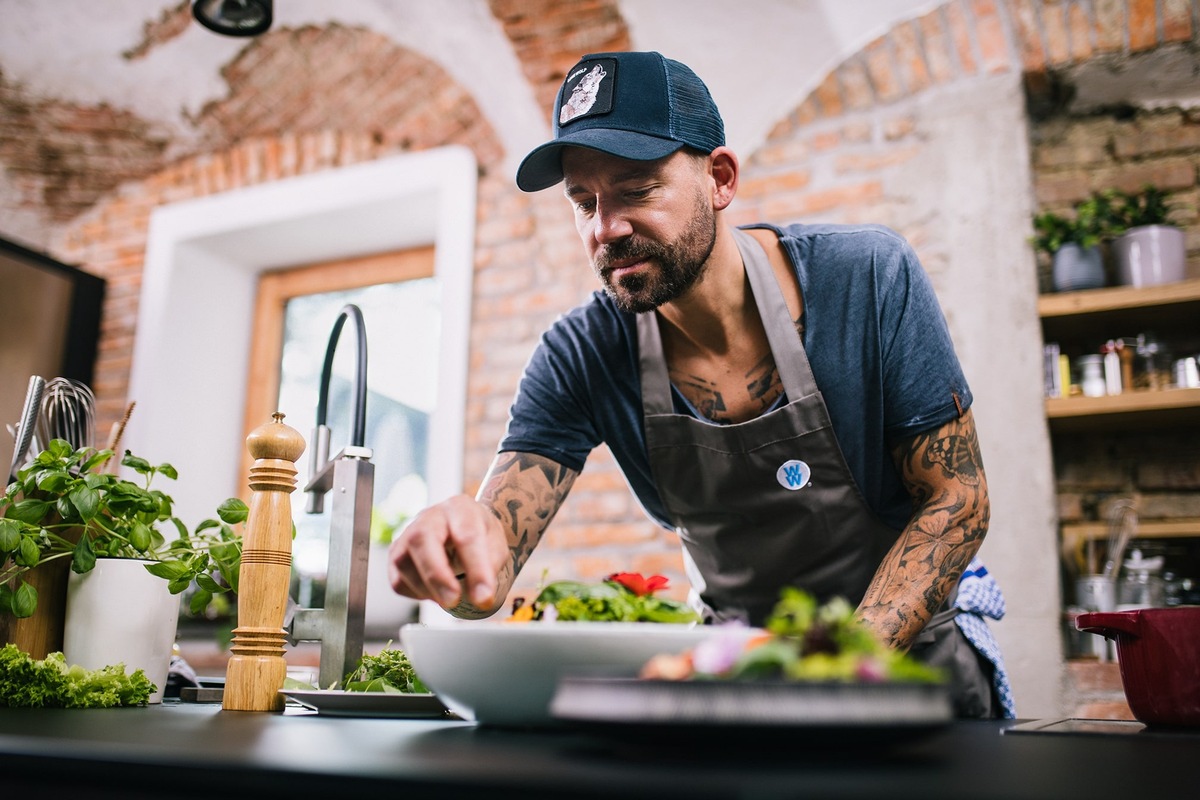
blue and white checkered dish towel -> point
(979, 596)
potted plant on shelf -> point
(1073, 244)
(126, 575)
(1148, 249)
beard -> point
(680, 263)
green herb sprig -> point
(388, 671)
(63, 506)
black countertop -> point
(191, 750)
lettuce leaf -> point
(53, 683)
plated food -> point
(813, 670)
(621, 597)
(803, 641)
(387, 671)
(383, 684)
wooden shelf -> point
(1118, 298)
(1097, 315)
(1074, 534)
(1128, 411)
(1080, 323)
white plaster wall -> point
(974, 176)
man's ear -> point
(724, 169)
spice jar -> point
(1091, 376)
(1151, 363)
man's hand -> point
(465, 553)
(452, 553)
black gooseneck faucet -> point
(358, 431)
(350, 476)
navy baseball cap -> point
(639, 106)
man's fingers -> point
(477, 551)
(454, 544)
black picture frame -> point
(82, 340)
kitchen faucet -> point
(350, 475)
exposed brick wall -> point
(336, 78)
(110, 240)
(1076, 156)
(824, 160)
(171, 23)
(549, 36)
(63, 158)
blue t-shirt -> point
(874, 334)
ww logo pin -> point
(793, 475)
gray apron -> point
(769, 502)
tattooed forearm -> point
(943, 472)
(524, 491)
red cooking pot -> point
(1159, 653)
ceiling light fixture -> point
(233, 17)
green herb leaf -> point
(59, 449)
(84, 558)
(139, 465)
(97, 458)
(233, 511)
(206, 582)
(28, 553)
(86, 501)
(29, 510)
(200, 601)
(64, 508)
(139, 537)
(54, 481)
(168, 471)
(171, 570)
(24, 601)
(10, 536)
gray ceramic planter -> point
(1150, 255)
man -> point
(787, 399)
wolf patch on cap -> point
(640, 106)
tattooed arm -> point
(465, 553)
(943, 472)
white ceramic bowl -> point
(503, 673)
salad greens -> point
(52, 683)
(390, 671)
(809, 642)
(622, 597)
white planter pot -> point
(121, 614)
(1150, 255)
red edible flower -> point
(639, 585)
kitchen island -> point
(176, 750)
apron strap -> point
(786, 345)
(656, 385)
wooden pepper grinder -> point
(257, 669)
